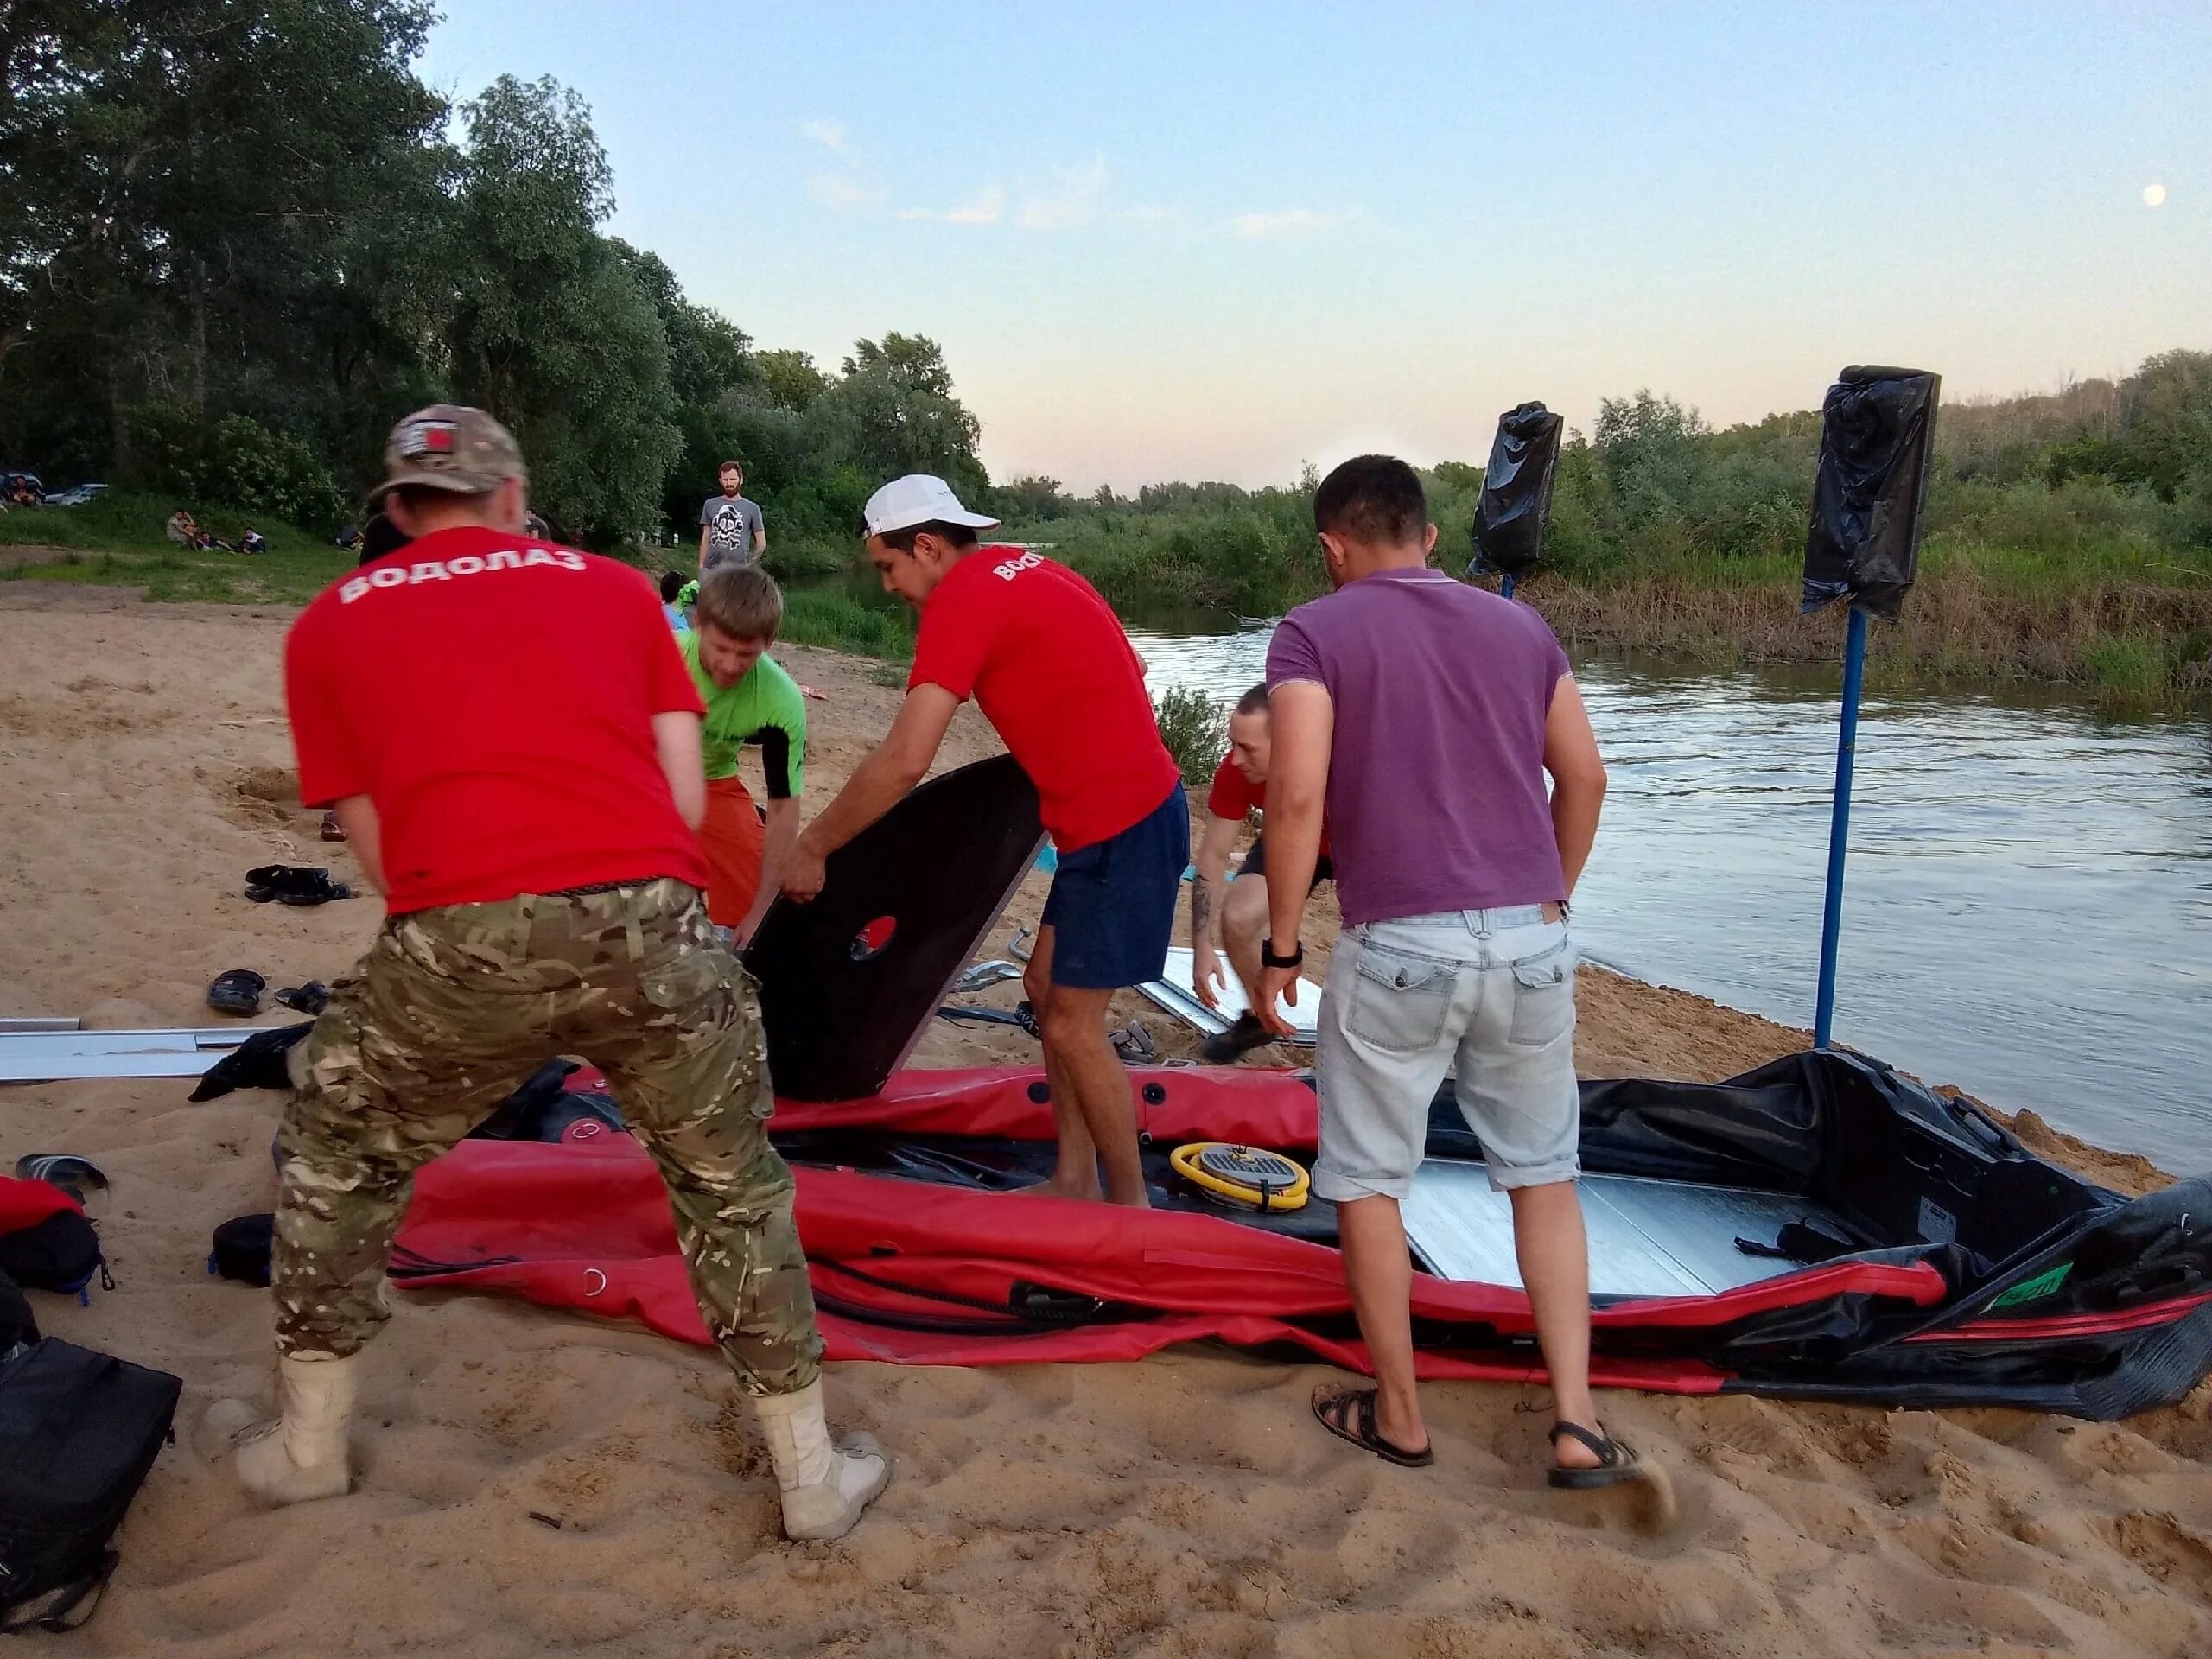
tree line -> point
(2117, 471)
(240, 237)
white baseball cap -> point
(918, 498)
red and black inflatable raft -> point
(1820, 1228)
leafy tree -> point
(553, 330)
(790, 381)
(2166, 423)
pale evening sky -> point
(1205, 240)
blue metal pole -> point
(1854, 666)
(1505, 586)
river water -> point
(2028, 904)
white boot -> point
(825, 1488)
(301, 1453)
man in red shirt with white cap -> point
(1046, 660)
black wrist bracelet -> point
(1270, 959)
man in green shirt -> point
(749, 699)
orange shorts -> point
(734, 839)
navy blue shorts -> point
(1112, 906)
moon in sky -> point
(2154, 195)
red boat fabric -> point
(587, 1226)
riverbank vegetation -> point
(229, 315)
(2068, 540)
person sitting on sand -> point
(1239, 788)
(1425, 714)
(1047, 661)
(542, 883)
(749, 699)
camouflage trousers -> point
(449, 1011)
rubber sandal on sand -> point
(1616, 1462)
(237, 991)
(1349, 1414)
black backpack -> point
(17, 1325)
(77, 1433)
(60, 1253)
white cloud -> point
(1284, 221)
(828, 134)
(840, 190)
(1072, 199)
(987, 208)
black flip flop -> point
(311, 998)
(66, 1170)
(237, 991)
(302, 887)
(1349, 1414)
(1616, 1462)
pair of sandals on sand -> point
(237, 990)
(1349, 1414)
(289, 884)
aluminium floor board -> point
(1172, 991)
(1647, 1238)
(181, 1052)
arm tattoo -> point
(1201, 910)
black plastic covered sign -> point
(1878, 439)
(1516, 500)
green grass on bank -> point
(120, 539)
(2120, 618)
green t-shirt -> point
(763, 708)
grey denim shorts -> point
(1486, 994)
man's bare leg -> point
(1243, 921)
(1381, 1275)
(1076, 1042)
(1075, 1171)
(1554, 1256)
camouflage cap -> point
(449, 447)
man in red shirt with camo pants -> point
(533, 833)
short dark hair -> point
(741, 601)
(737, 467)
(1377, 500)
(903, 540)
(1253, 701)
(671, 584)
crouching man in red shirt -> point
(1046, 661)
(511, 740)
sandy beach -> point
(1185, 1505)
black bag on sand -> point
(60, 1253)
(17, 1325)
(242, 1247)
(262, 1061)
(77, 1433)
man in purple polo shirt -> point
(1424, 715)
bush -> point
(237, 463)
(1195, 730)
